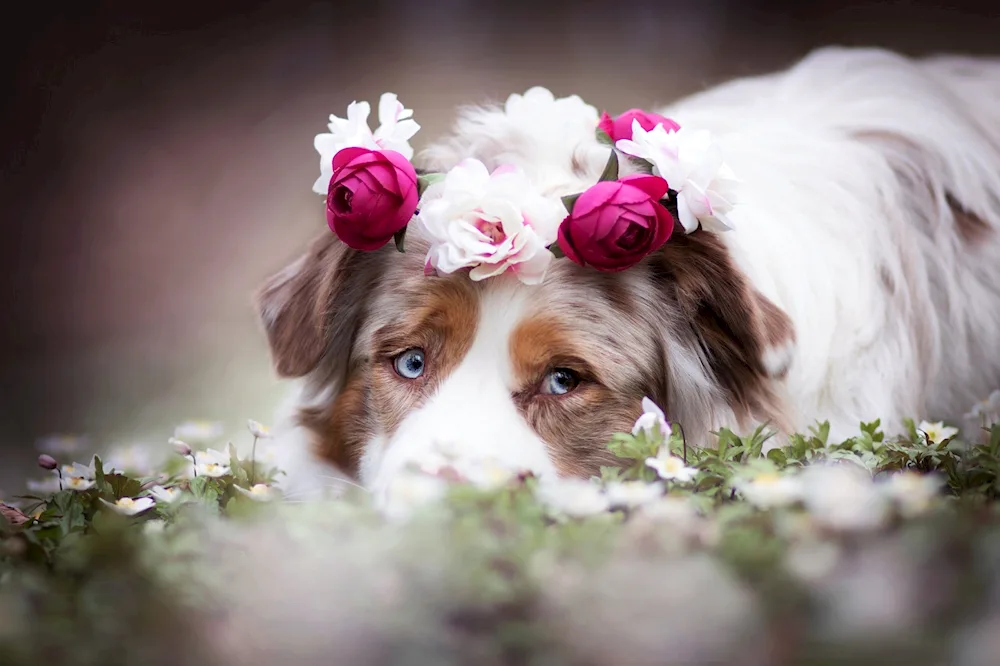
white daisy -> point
(212, 463)
(671, 468)
(128, 506)
(936, 432)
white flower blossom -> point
(843, 497)
(693, 166)
(62, 443)
(396, 128)
(78, 477)
(632, 494)
(128, 506)
(653, 422)
(574, 498)
(258, 430)
(768, 490)
(982, 415)
(986, 412)
(408, 492)
(551, 123)
(936, 432)
(676, 511)
(484, 472)
(78, 470)
(489, 223)
(132, 459)
(212, 463)
(259, 492)
(166, 495)
(151, 527)
(912, 492)
(78, 483)
(198, 431)
(46, 486)
(671, 468)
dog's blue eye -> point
(410, 364)
(560, 382)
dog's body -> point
(862, 281)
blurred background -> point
(157, 161)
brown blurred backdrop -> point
(157, 161)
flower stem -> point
(253, 461)
(59, 472)
(194, 465)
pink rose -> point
(616, 223)
(621, 127)
(373, 194)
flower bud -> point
(46, 461)
(180, 447)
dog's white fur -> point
(848, 159)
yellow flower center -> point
(766, 479)
(126, 502)
(673, 464)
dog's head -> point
(540, 377)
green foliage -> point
(487, 544)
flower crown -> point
(491, 222)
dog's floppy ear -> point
(307, 309)
(745, 340)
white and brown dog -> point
(862, 281)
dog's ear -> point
(308, 309)
(744, 339)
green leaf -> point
(611, 168)
(399, 238)
(122, 486)
(569, 201)
(556, 251)
(426, 180)
(603, 137)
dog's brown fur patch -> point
(971, 228)
(375, 399)
(733, 323)
(576, 426)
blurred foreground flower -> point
(198, 432)
(574, 498)
(166, 495)
(912, 492)
(258, 430)
(409, 491)
(632, 494)
(843, 497)
(484, 472)
(259, 492)
(768, 490)
(128, 506)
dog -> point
(861, 282)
